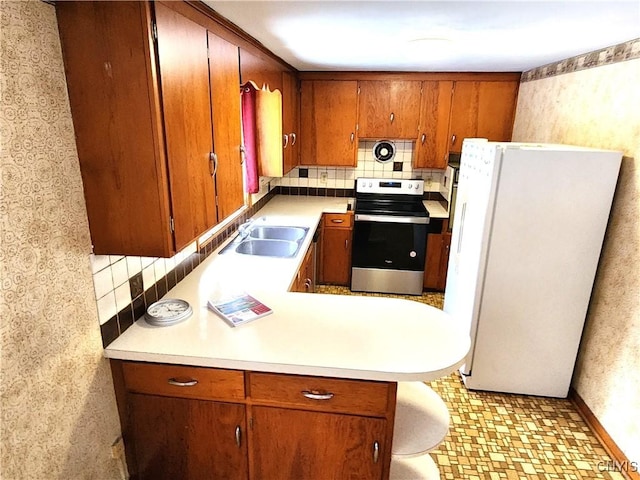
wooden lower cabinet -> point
(179, 438)
(437, 261)
(335, 256)
(192, 423)
(305, 280)
(290, 444)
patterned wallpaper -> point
(58, 415)
(598, 107)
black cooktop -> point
(391, 206)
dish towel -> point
(248, 95)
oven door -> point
(388, 242)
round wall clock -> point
(168, 311)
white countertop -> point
(371, 338)
(436, 209)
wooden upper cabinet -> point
(224, 78)
(482, 109)
(115, 104)
(290, 121)
(389, 109)
(132, 94)
(432, 145)
(260, 69)
(184, 76)
(328, 117)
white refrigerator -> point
(528, 229)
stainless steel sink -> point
(268, 240)
(293, 234)
(268, 248)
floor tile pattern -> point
(503, 436)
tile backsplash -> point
(344, 177)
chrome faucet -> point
(245, 229)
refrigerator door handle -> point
(462, 215)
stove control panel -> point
(389, 186)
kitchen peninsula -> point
(316, 362)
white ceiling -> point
(429, 35)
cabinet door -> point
(432, 146)
(482, 109)
(184, 77)
(336, 256)
(389, 109)
(290, 444)
(114, 99)
(328, 119)
(290, 121)
(437, 261)
(224, 79)
(176, 438)
(496, 110)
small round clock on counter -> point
(168, 311)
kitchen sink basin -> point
(293, 234)
(268, 240)
(269, 247)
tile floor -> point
(503, 436)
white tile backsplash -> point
(102, 282)
(119, 272)
(338, 177)
(106, 307)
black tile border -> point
(614, 54)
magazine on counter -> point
(239, 309)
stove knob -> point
(410, 186)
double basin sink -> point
(268, 241)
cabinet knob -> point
(316, 395)
(376, 451)
(238, 436)
(213, 163)
(182, 383)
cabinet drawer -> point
(324, 394)
(344, 220)
(185, 382)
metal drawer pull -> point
(352, 137)
(177, 383)
(286, 140)
(293, 139)
(315, 395)
(453, 139)
(337, 220)
(376, 451)
(424, 138)
(238, 436)
(392, 117)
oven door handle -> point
(359, 217)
